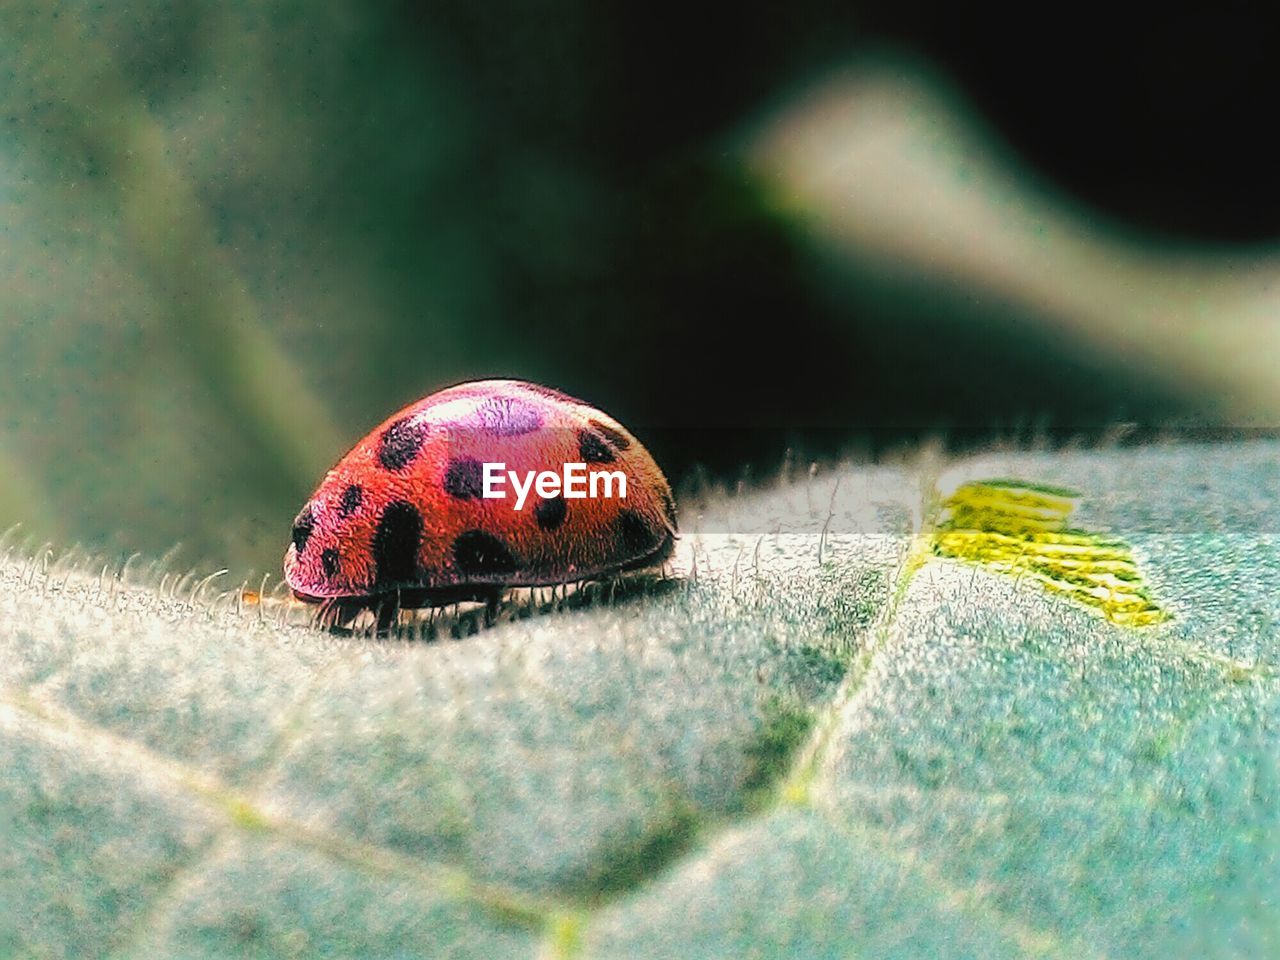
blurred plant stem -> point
(219, 337)
(884, 168)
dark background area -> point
(1156, 118)
(1156, 114)
(408, 195)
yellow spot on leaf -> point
(1021, 529)
(564, 935)
(245, 815)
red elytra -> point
(403, 513)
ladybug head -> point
(323, 557)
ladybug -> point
(427, 509)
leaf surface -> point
(819, 738)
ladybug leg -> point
(388, 614)
(332, 614)
(337, 613)
(492, 601)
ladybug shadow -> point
(427, 617)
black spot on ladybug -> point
(669, 509)
(592, 449)
(400, 443)
(617, 439)
(480, 554)
(634, 535)
(302, 527)
(352, 497)
(464, 478)
(395, 544)
(329, 560)
(508, 417)
(550, 513)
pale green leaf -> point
(816, 738)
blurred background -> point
(235, 236)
